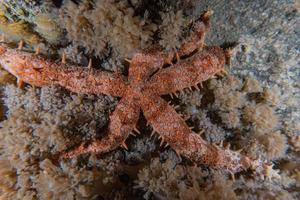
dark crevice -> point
(189, 55)
(153, 73)
(57, 3)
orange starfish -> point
(151, 74)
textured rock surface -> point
(267, 33)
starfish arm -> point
(89, 81)
(173, 130)
(122, 122)
(38, 71)
(146, 62)
(188, 72)
(196, 38)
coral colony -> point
(152, 73)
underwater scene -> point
(149, 99)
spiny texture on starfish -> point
(150, 76)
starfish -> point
(152, 73)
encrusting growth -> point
(150, 76)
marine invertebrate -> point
(39, 123)
(171, 30)
(275, 144)
(262, 116)
(49, 29)
(7, 184)
(103, 24)
(148, 79)
(35, 22)
(19, 31)
(170, 180)
(66, 181)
